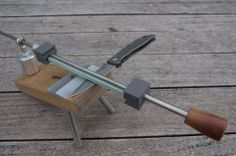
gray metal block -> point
(44, 51)
(135, 92)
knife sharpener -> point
(207, 123)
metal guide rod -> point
(108, 83)
(94, 77)
(23, 41)
(8, 35)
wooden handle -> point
(208, 124)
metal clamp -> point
(44, 51)
(135, 91)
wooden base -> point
(36, 86)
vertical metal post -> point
(74, 129)
(107, 105)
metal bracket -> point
(135, 92)
(44, 51)
(68, 85)
(72, 84)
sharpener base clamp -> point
(44, 51)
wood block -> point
(37, 84)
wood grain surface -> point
(175, 146)
(191, 64)
(65, 7)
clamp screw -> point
(20, 42)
